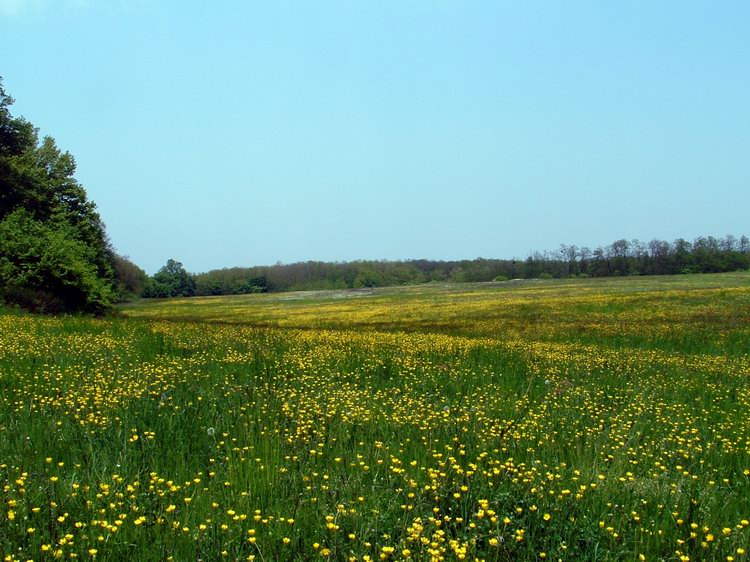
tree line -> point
(622, 257)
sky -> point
(241, 133)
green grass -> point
(709, 312)
(585, 420)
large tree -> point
(54, 252)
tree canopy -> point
(54, 252)
(170, 281)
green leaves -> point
(171, 281)
(54, 253)
(44, 267)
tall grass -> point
(551, 421)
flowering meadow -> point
(602, 419)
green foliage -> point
(55, 253)
(251, 286)
(44, 267)
(130, 279)
(170, 281)
(621, 258)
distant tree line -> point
(622, 257)
(54, 251)
(657, 257)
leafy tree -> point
(41, 200)
(171, 281)
(130, 280)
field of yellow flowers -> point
(558, 420)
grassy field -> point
(575, 420)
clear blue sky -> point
(240, 133)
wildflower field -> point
(602, 419)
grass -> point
(574, 420)
(638, 311)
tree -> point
(40, 197)
(617, 253)
(569, 255)
(130, 280)
(170, 281)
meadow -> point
(587, 419)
